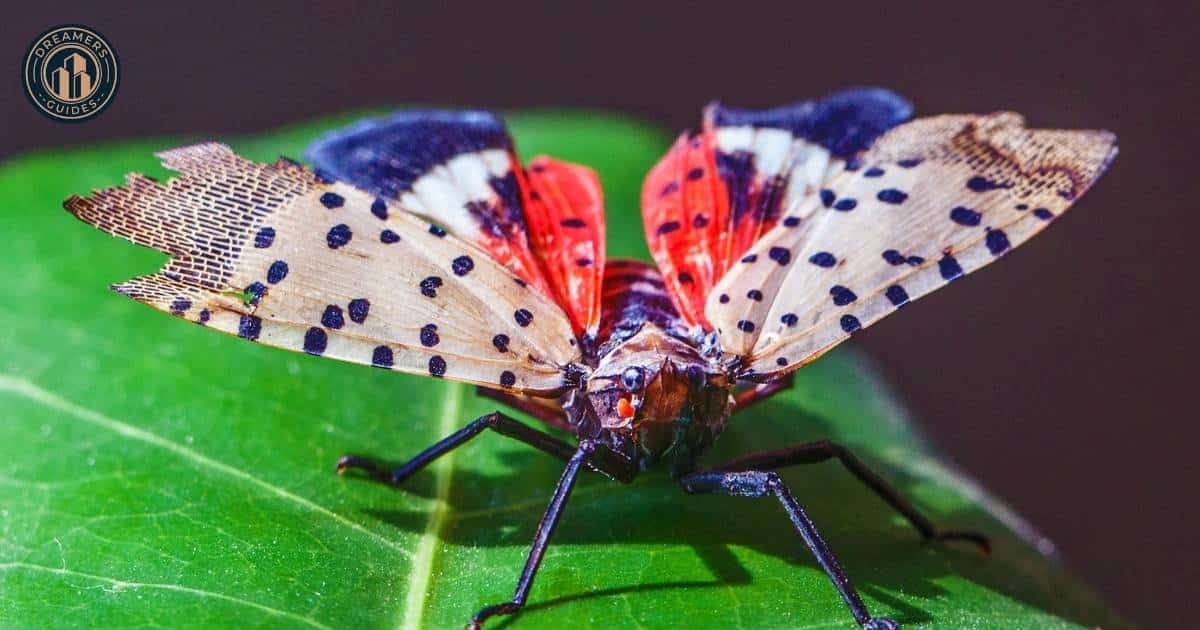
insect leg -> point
(756, 484)
(497, 421)
(763, 391)
(545, 529)
(815, 452)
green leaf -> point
(152, 472)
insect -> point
(419, 243)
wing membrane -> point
(273, 254)
(931, 201)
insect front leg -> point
(756, 484)
(606, 462)
(763, 391)
(541, 539)
(496, 421)
(823, 450)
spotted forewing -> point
(277, 255)
(929, 202)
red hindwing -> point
(685, 207)
(564, 208)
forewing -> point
(715, 194)
(932, 200)
(276, 255)
(565, 211)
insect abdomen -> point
(633, 295)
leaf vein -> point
(123, 584)
(31, 391)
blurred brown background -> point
(1059, 378)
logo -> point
(70, 73)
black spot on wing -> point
(332, 200)
(277, 272)
(249, 327)
(841, 295)
(332, 317)
(429, 336)
(437, 366)
(667, 228)
(462, 265)
(429, 286)
(338, 236)
(897, 295)
(382, 357)
(315, 340)
(255, 292)
(264, 238)
(892, 196)
(379, 208)
(981, 184)
(358, 308)
(949, 268)
(965, 216)
(997, 242)
(823, 259)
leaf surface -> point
(154, 473)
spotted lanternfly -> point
(420, 244)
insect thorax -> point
(656, 398)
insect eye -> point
(634, 379)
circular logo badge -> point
(70, 73)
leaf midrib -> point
(425, 558)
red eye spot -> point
(625, 409)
